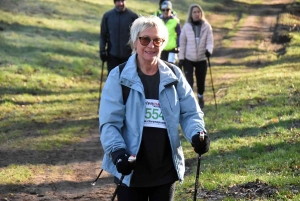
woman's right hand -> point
(125, 164)
(207, 54)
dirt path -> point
(258, 27)
(256, 30)
(84, 158)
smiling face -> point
(149, 53)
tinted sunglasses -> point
(157, 42)
(163, 10)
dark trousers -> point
(114, 61)
(156, 193)
(164, 55)
(200, 73)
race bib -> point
(153, 115)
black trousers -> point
(164, 55)
(156, 193)
(200, 73)
(114, 61)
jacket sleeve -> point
(182, 43)
(210, 40)
(103, 33)
(112, 114)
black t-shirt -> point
(154, 164)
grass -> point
(49, 86)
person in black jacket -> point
(114, 34)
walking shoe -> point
(201, 102)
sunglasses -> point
(163, 10)
(157, 42)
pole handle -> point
(131, 159)
(201, 135)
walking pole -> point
(117, 188)
(201, 136)
(101, 79)
(94, 182)
(212, 83)
(197, 177)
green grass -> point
(16, 174)
(256, 130)
(49, 86)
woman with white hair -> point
(145, 126)
(196, 43)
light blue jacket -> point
(121, 126)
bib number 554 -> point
(153, 113)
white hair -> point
(146, 22)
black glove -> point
(103, 56)
(200, 147)
(120, 159)
(207, 54)
(180, 64)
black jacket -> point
(115, 32)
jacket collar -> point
(129, 75)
